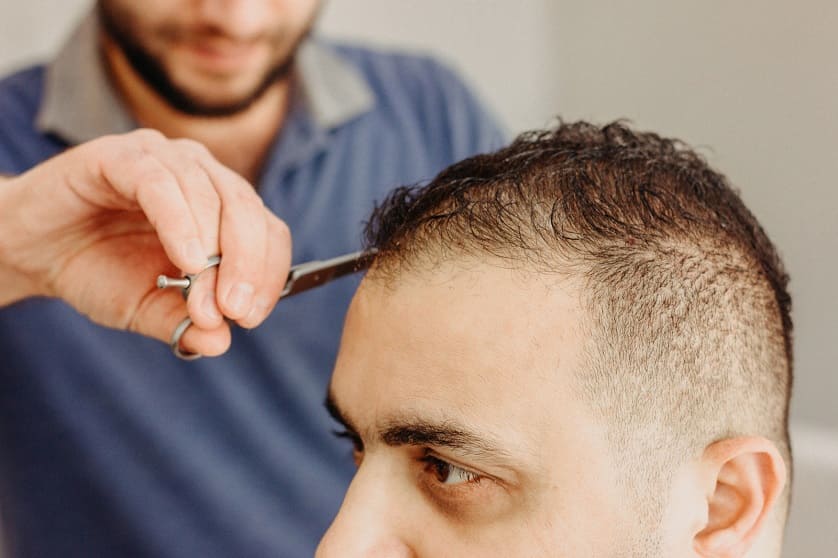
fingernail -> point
(239, 297)
(257, 313)
(194, 252)
(209, 307)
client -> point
(576, 346)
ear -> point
(745, 478)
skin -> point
(491, 354)
(217, 54)
(121, 209)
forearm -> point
(14, 284)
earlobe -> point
(745, 479)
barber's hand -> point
(96, 225)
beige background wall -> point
(754, 83)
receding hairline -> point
(656, 234)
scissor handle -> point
(301, 277)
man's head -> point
(208, 58)
(576, 346)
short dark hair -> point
(690, 334)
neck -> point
(240, 142)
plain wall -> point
(753, 83)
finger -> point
(208, 343)
(160, 313)
(243, 239)
(183, 159)
(277, 264)
(201, 302)
(137, 174)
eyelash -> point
(432, 463)
(351, 436)
(357, 444)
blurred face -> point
(455, 388)
(209, 57)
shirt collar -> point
(80, 103)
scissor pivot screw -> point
(164, 282)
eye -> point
(357, 444)
(447, 473)
(463, 495)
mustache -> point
(207, 33)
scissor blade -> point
(309, 275)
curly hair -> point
(690, 334)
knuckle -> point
(279, 227)
(275, 225)
(147, 136)
(101, 144)
(194, 148)
(205, 199)
(105, 151)
(246, 199)
(256, 205)
(98, 156)
(152, 177)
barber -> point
(92, 225)
(163, 133)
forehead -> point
(496, 351)
(496, 347)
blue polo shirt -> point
(109, 445)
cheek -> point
(289, 18)
(300, 10)
(522, 537)
(578, 519)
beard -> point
(119, 27)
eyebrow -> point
(413, 431)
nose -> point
(238, 18)
(369, 523)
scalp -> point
(689, 327)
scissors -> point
(301, 278)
